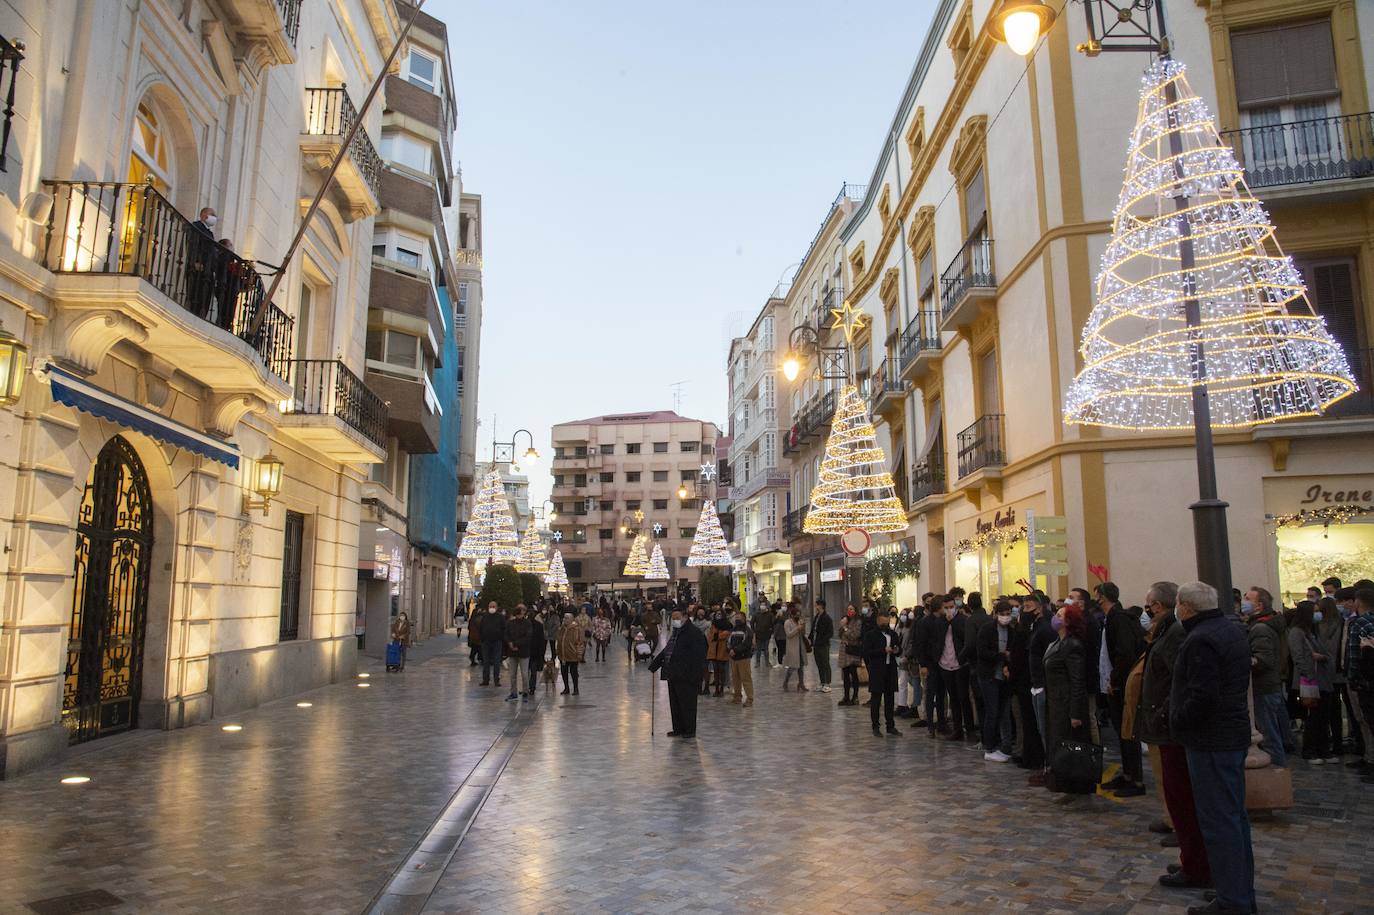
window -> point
(379, 250)
(150, 157)
(632, 476)
(558, 479)
(690, 503)
(686, 533)
(580, 451)
(410, 251)
(606, 533)
(660, 476)
(926, 280)
(409, 258)
(294, 546)
(607, 505)
(659, 534)
(462, 293)
(608, 449)
(660, 447)
(975, 206)
(631, 533)
(689, 476)
(409, 151)
(632, 505)
(607, 476)
(632, 447)
(660, 504)
(580, 479)
(987, 382)
(691, 447)
(422, 70)
(559, 452)
(1283, 74)
(574, 568)
(394, 348)
(1333, 286)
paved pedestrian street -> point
(790, 806)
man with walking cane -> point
(682, 663)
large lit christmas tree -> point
(464, 576)
(638, 561)
(557, 577)
(658, 566)
(853, 489)
(532, 558)
(1264, 354)
(490, 536)
(708, 546)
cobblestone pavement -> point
(791, 805)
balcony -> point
(271, 23)
(329, 114)
(919, 347)
(11, 53)
(980, 445)
(886, 390)
(1306, 152)
(412, 409)
(194, 302)
(792, 522)
(764, 540)
(928, 479)
(332, 411)
(968, 284)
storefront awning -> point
(76, 392)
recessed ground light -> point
(232, 727)
(363, 676)
(76, 779)
(364, 685)
(304, 704)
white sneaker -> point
(996, 756)
(825, 689)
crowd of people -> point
(1030, 681)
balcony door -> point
(1288, 95)
(990, 398)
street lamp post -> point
(504, 452)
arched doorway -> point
(114, 537)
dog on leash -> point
(549, 672)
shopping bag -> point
(1076, 762)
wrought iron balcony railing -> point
(922, 335)
(980, 445)
(290, 12)
(330, 113)
(11, 52)
(885, 382)
(971, 267)
(1304, 152)
(326, 387)
(792, 522)
(928, 477)
(104, 227)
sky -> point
(648, 172)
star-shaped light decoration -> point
(558, 535)
(708, 471)
(848, 319)
(639, 515)
(658, 528)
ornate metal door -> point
(110, 600)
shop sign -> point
(1004, 518)
(381, 570)
(891, 549)
(1351, 492)
(832, 575)
(799, 578)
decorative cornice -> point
(967, 149)
(224, 412)
(84, 337)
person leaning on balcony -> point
(202, 259)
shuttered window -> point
(1284, 63)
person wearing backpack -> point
(741, 648)
(1125, 641)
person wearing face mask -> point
(1312, 680)
(993, 647)
(1066, 689)
(953, 674)
(881, 648)
(909, 674)
(1029, 749)
(1042, 635)
(851, 655)
(681, 663)
(1330, 628)
(493, 644)
(795, 632)
(926, 646)
(1123, 642)
(1268, 641)
(822, 631)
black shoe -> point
(565, 691)
(576, 693)
(1161, 827)
(894, 732)
(917, 721)
(674, 734)
(877, 731)
(1120, 781)
(690, 736)
(1169, 841)
(1181, 881)
(1130, 790)
(1175, 868)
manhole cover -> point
(89, 901)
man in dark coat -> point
(822, 631)
(493, 644)
(925, 649)
(881, 646)
(682, 663)
(761, 620)
(994, 645)
(1209, 715)
(1125, 641)
(519, 633)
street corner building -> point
(187, 467)
(973, 250)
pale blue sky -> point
(648, 170)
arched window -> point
(150, 153)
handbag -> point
(1309, 691)
(1076, 762)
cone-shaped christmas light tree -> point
(464, 576)
(708, 546)
(557, 577)
(658, 566)
(638, 562)
(532, 558)
(853, 489)
(490, 536)
(1265, 355)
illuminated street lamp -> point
(1020, 23)
(13, 361)
(267, 473)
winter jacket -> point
(762, 623)
(572, 643)
(741, 644)
(552, 623)
(1161, 655)
(851, 642)
(1266, 646)
(972, 623)
(1303, 648)
(780, 627)
(1209, 701)
(493, 628)
(1066, 689)
(1041, 638)
(822, 631)
(683, 659)
(882, 667)
(795, 656)
(519, 631)
(988, 656)
(717, 644)
(1125, 642)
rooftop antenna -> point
(677, 395)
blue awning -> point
(75, 391)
